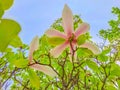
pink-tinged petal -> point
(55, 33)
(33, 46)
(45, 69)
(67, 20)
(82, 29)
(55, 52)
(91, 47)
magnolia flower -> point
(70, 35)
(45, 69)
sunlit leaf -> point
(81, 39)
(17, 59)
(115, 70)
(102, 58)
(91, 64)
(118, 82)
(6, 4)
(20, 63)
(11, 57)
(106, 51)
(110, 87)
(1, 13)
(55, 41)
(9, 29)
(34, 79)
(83, 52)
(8, 50)
(16, 42)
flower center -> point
(71, 38)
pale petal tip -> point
(35, 39)
(66, 6)
(53, 53)
(47, 32)
(97, 51)
(86, 25)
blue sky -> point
(36, 16)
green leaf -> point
(81, 39)
(102, 58)
(20, 63)
(1, 13)
(34, 79)
(115, 70)
(8, 50)
(104, 52)
(17, 60)
(9, 29)
(55, 41)
(110, 87)
(92, 65)
(16, 42)
(118, 82)
(6, 4)
(11, 57)
(83, 52)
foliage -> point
(89, 72)
(114, 29)
(9, 29)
